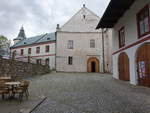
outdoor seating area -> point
(13, 88)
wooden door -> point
(124, 69)
(143, 65)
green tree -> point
(4, 42)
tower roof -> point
(21, 34)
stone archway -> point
(143, 65)
(124, 67)
(93, 65)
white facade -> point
(80, 29)
(43, 55)
(132, 43)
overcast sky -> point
(41, 16)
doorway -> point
(143, 65)
(123, 66)
(93, 65)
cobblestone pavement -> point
(81, 93)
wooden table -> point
(13, 83)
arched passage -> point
(93, 65)
(143, 65)
(123, 66)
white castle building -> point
(79, 46)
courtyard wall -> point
(9, 67)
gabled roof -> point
(48, 37)
(83, 21)
(114, 12)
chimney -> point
(57, 26)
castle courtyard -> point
(80, 93)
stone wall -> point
(18, 68)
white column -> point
(133, 67)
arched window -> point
(92, 43)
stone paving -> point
(81, 93)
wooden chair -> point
(5, 79)
(3, 89)
(22, 89)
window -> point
(47, 48)
(38, 61)
(92, 43)
(122, 37)
(37, 50)
(70, 44)
(143, 21)
(70, 60)
(47, 61)
(21, 52)
(29, 50)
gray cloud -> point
(41, 16)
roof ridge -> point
(92, 12)
(41, 38)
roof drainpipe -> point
(103, 47)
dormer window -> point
(48, 38)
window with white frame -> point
(92, 43)
(47, 48)
(143, 21)
(122, 37)
(37, 50)
(70, 44)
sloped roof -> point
(36, 39)
(83, 21)
(21, 34)
(114, 12)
